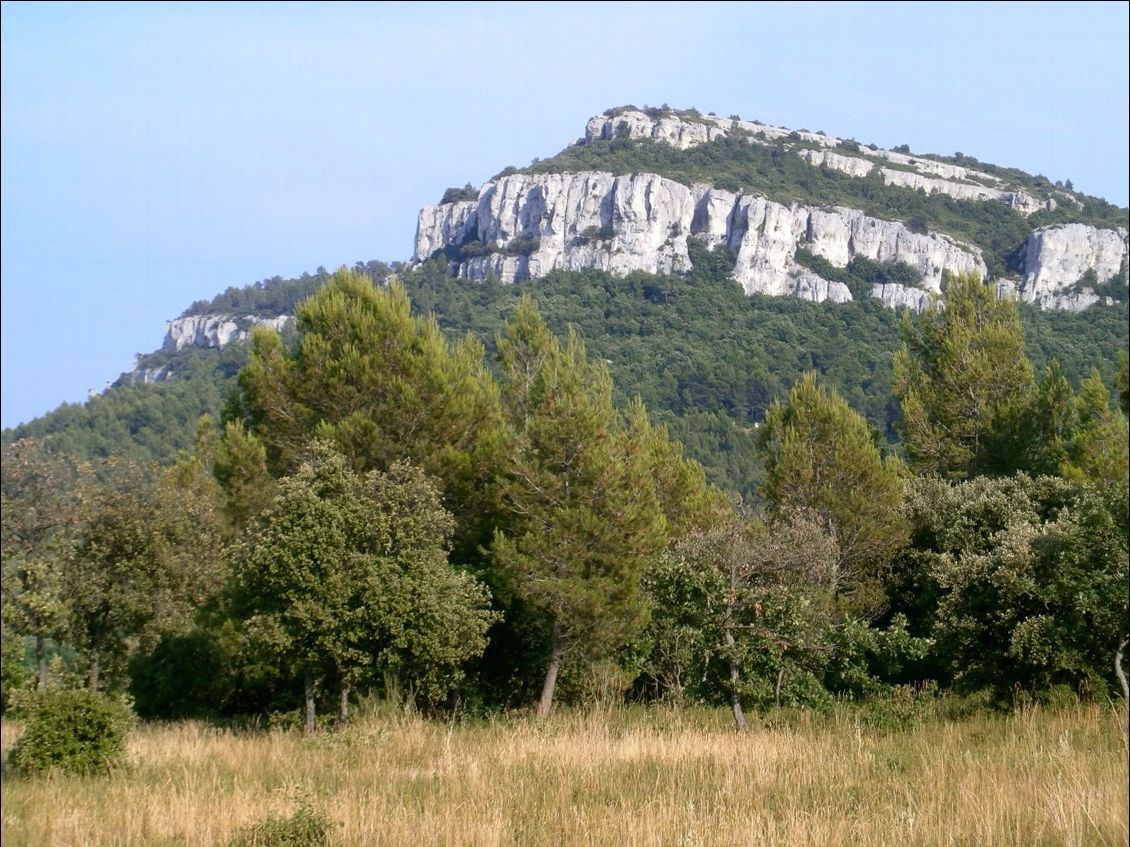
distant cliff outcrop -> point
(642, 223)
(524, 225)
(895, 168)
(215, 330)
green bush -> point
(454, 195)
(183, 676)
(524, 245)
(902, 707)
(14, 672)
(81, 732)
(305, 828)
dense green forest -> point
(706, 359)
(389, 503)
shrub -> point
(305, 828)
(454, 195)
(14, 674)
(80, 731)
(524, 245)
(182, 677)
(596, 233)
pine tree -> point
(819, 455)
(965, 384)
(1052, 421)
(1097, 450)
(240, 466)
(383, 386)
(583, 518)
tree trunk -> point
(1118, 667)
(343, 704)
(780, 682)
(735, 680)
(95, 669)
(556, 652)
(41, 659)
(311, 716)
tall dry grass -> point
(633, 777)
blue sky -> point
(154, 154)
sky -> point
(156, 154)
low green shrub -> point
(77, 731)
(305, 828)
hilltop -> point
(710, 260)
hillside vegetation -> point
(705, 358)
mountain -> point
(638, 186)
(710, 260)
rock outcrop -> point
(214, 330)
(909, 172)
(850, 165)
(1059, 261)
(524, 226)
(683, 132)
(1023, 202)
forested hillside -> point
(626, 473)
(387, 500)
(705, 358)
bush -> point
(305, 828)
(81, 732)
(454, 195)
(14, 673)
(182, 677)
(524, 245)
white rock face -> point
(850, 165)
(1056, 257)
(641, 223)
(448, 226)
(149, 376)
(929, 176)
(931, 168)
(840, 235)
(687, 132)
(669, 129)
(1024, 203)
(214, 330)
(581, 220)
(896, 296)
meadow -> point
(621, 776)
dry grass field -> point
(620, 777)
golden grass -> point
(637, 777)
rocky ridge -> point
(641, 222)
(524, 226)
(908, 171)
(215, 330)
(204, 331)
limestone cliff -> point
(214, 330)
(524, 226)
(907, 171)
(1059, 259)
